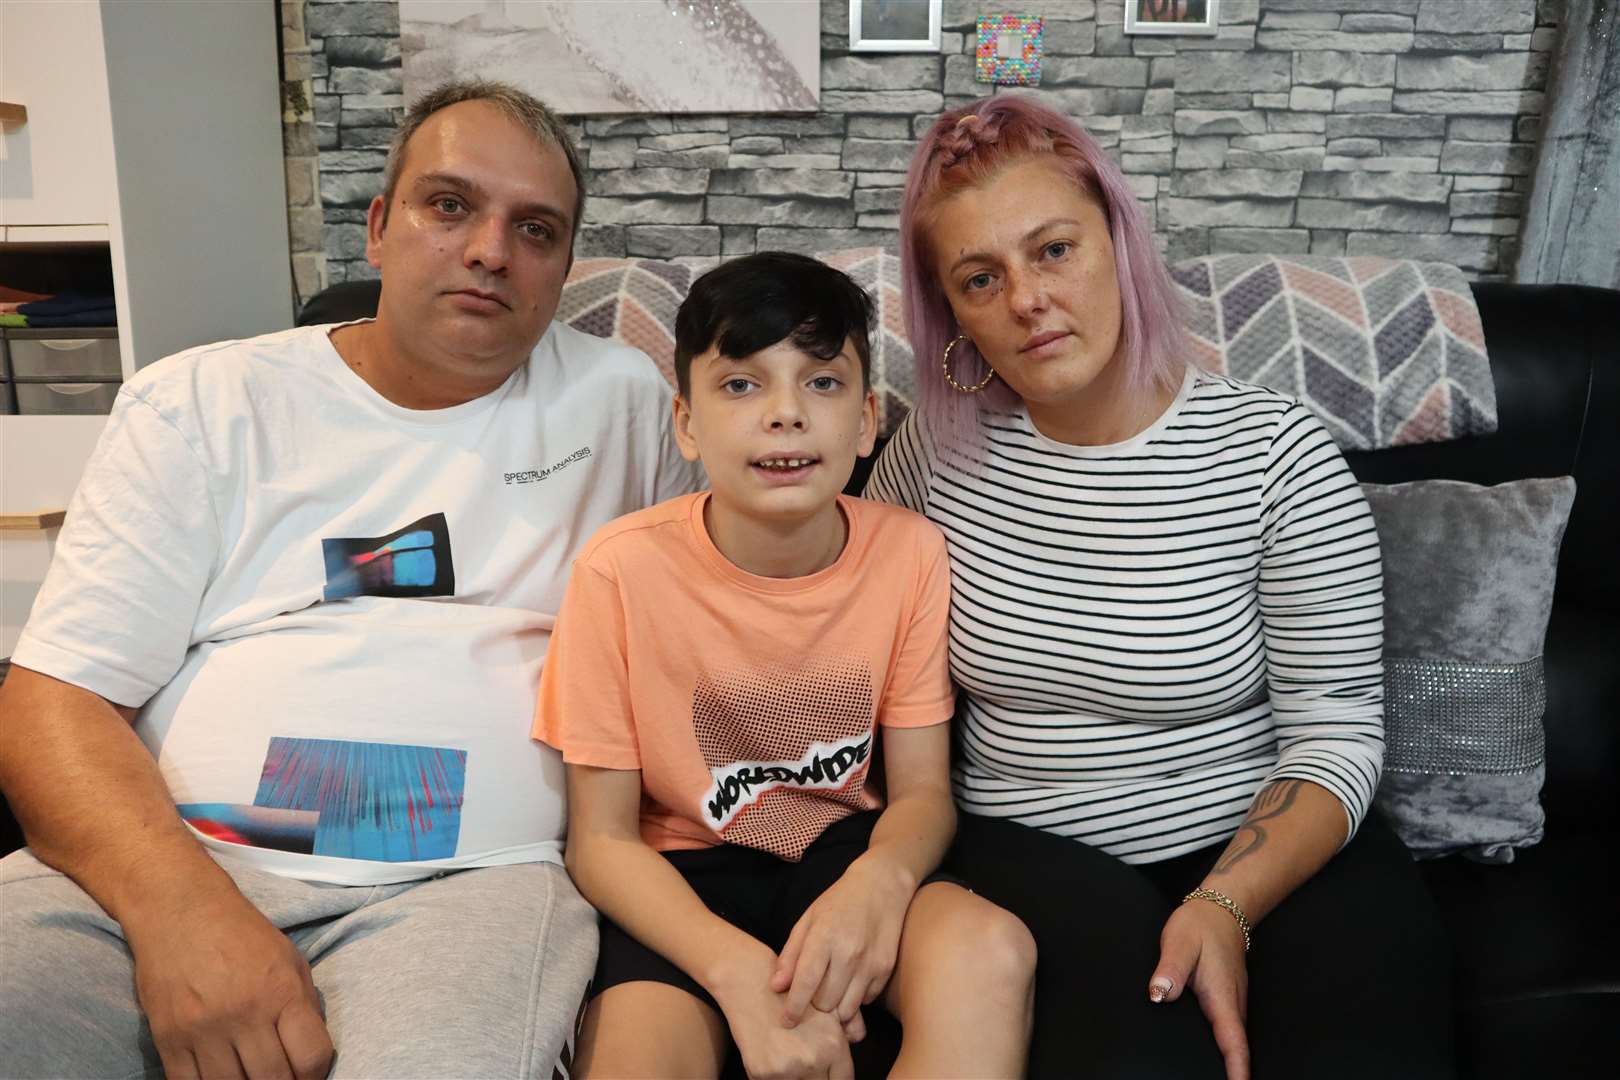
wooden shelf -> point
(48, 333)
(38, 521)
(46, 237)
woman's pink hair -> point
(965, 148)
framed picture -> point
(894, 25)
(1172, 16)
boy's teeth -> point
(785, 463)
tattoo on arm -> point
(1272, 801)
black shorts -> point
(760, 894)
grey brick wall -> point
(305, 218)
(1378, 127)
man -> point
(267, 729)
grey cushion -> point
(1468, 588)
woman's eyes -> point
(1057, 249)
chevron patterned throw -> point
(1385, 351)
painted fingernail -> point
(1159, 989)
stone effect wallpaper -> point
(1376, 127)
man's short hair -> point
(753, 302)
(524, 109)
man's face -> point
(475, 245)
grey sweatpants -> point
(475, 973)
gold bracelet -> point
(1226, 902)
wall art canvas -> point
(1172, 16)
(629, 56)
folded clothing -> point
(67, 303)
(9, 295)
(105, 316)
(13, 320)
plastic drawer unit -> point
(59, 371)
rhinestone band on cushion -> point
(1447, 717)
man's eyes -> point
(454, 206)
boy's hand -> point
(843, 949)
(817, 1047)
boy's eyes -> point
(738, 385)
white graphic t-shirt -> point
(333, 609)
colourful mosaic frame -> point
(992, 66)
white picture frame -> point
(1182, 17)
(905, 30)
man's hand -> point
(1202, 947)
(227, 995)
(843, 948)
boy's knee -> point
(990, 945)
(1008, 948)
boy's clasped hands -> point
(795, 1014)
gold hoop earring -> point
(945, 363)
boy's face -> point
(778, 432)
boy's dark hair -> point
(753, 302)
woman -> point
(1167, 625)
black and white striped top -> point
(1148, 632)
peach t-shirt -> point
(749, 704)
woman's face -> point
(1027, 264)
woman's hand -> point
(843, 949)
(1202, 947)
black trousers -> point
(1349, 977)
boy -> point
(721, 665)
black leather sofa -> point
(1537, 942)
